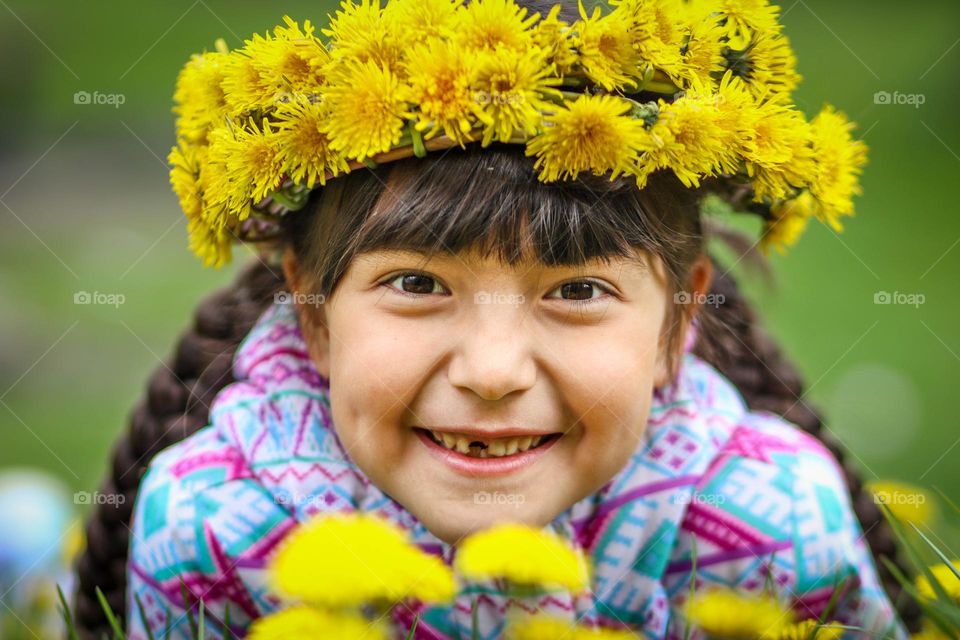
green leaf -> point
(936, 550)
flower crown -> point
(698, 87)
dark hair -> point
(489, 200)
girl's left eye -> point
(580, 291)
(413, 284)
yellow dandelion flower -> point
(344, 560)
(487, 24)
(199, 99)
(422, 20)
(606, 46)
(661, 46)
(688, 139)
(790, 220)
(361, 32)
(702, 51)
(185, 162)
(726, 613)
(253, 162)
(511, 91)
(305, 623)
(246, 88)
(909, 503)
(303, 149)
(778, 154)
(211, 244)
(440, 76)
(805, 631)
(930, 632)
(591, 133)
(543, 627)
(945, 577)
(744, 18)
(840, 161)
(368, 110)
(553, 35)
(770, 66)
(290, 62)
(523, 555)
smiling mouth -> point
(473, 446)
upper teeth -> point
(494, 446)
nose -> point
(494, 358)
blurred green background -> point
(85, 207)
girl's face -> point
(474, 393)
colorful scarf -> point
(762, 501)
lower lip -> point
(484, 467)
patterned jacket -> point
(761, 501)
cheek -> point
(371, 385)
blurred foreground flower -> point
(302, 622)
(350, 560)
(541, 627)
(945, 576)
(726, 613)
(909, 503)
(524, 556)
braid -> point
(734, 342)
(176, 405)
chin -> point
(451, 523)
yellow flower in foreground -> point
(947, 579)
(541, 627)
(523, 555)
(726, 613)
(930, 632)
(368, 109)
(590, 134)
(840, 161)
(484, 25)
(803, 630)
(908, 503)
(344, 560)
(305, 623)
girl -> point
(450, 343)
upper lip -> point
(489, 432)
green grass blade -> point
(188, 608)
(111, 618)
(932, 613)
(474, 621)
(143, 616)
(67, 616)
(413, 627)
(227, 631)
(910, 547)
(201, 629)
(937, 551)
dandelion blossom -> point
(606, 46)
(731, 614)
(199, 98)
(523, 555)
(368, 110)
(485, 25)
(590, 134)
(305, 623)
(304, 150)
(361, 32)
(840, 161)
(346, 560)
(945, 577)
(511, 91)
(540, 627)
(441, 78)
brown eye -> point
(581, 291)
(413, 283)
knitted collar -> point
(277, 416)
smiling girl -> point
(450, 341)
